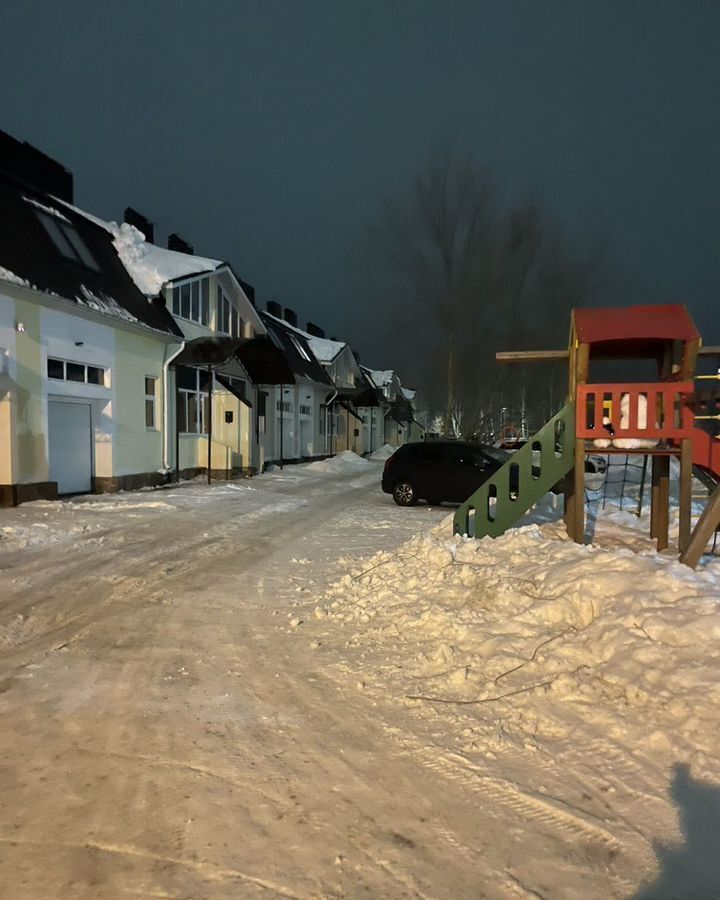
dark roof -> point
(263, 360)
(27, 250)
(368, 394)
(285, 337)
(236, 392)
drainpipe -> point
(329, 431)
(210, 400)
(166, 408)
(281, 426)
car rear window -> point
(432, 452)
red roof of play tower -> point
(635, 323)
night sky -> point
(269, 133)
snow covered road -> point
(204, 695)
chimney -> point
(315, 330)
(32, 168)
(249, 290)
(133, 217)
(175, 242)
(291, 316)
(274, 308)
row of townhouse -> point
(125, 364)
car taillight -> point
(387, 463)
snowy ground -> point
(288, 686)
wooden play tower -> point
(654, 417)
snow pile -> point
(151, 267)
(623, 640)
(384, 452)
(12, 278)
(345, 462)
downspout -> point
(329, 431)
(210, 424)
(281, 426)
(166, 407)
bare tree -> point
(472, 276)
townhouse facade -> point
(125, 364)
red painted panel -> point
(634, 323)
(654, 411)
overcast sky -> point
(268, 132)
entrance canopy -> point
(264, 362)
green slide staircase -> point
(524, 479)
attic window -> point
(67, 240)
(300, 349)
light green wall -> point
(136, 448)
(29, 419)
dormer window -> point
(191, 301)
(71, 246)
(228, 318)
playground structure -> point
(663, 419)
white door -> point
(70, 446)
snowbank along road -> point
(274, 688)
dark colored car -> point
(439, 470)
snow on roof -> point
(323, 349)
(150, 266)
(381, 377)
(48, 209)
(12, 278)
(407, 393)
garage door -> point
(70, 446)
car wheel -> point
(404, 494)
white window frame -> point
(151, 398)
(200, 407)
(196, 293)
(64, 362)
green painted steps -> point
(524, 479)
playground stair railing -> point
(525, 478)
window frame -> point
(151, 398)
(195, 294)
(72, 362)
(66, 240)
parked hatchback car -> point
(439, 470)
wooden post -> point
(686, 462)
(660, 513)
(708, 523)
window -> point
(191, 301)
(192, 402)
(66, 240)
(300, 349)
(261, 413)
(150, 394)
(237, 326)
(283, 406)
(305, 410)
(224, 311)
(238, 385)
(62, 370)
